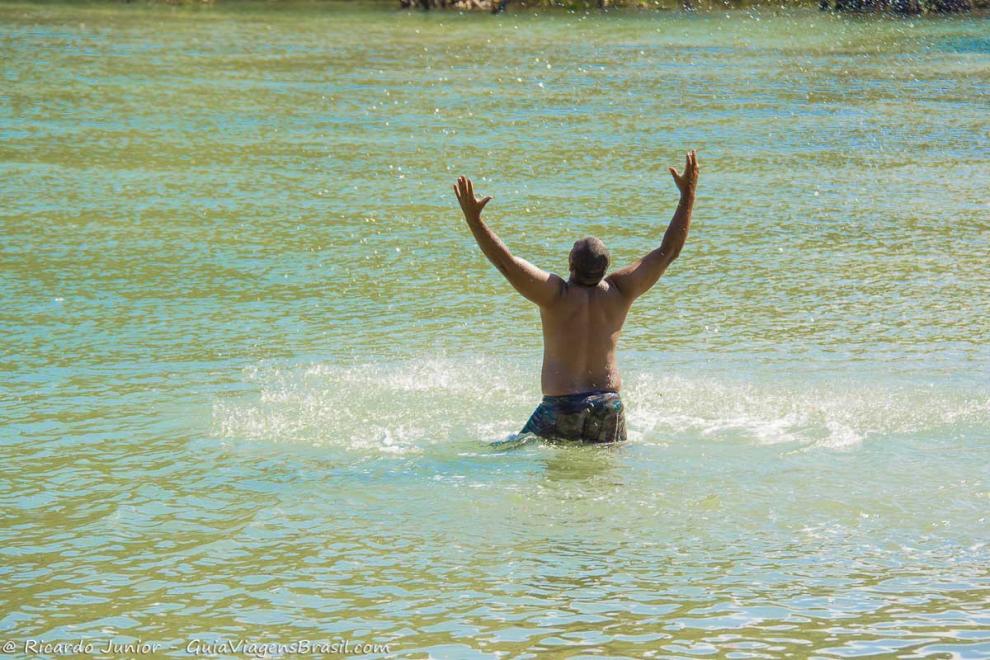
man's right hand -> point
(688, 181)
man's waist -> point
(584, 394)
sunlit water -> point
(253, 363)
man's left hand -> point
(464, 189)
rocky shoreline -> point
(904, 7)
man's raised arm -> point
(535, 284)
(636, 279)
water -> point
(253, 362)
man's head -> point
(589, 261)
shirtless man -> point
(582, 317)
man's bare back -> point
(580, 333)
(583, 315)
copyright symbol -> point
(9, 646)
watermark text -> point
(193, 647)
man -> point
(582, 317)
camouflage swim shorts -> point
(585, 417)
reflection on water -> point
(589, 466)
(257, 379)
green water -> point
(253, 362)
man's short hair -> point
(589, 261)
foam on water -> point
(392, 408)
(405, 407)
(832, 415)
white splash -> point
(403, 408)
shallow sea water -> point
(254, 366)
